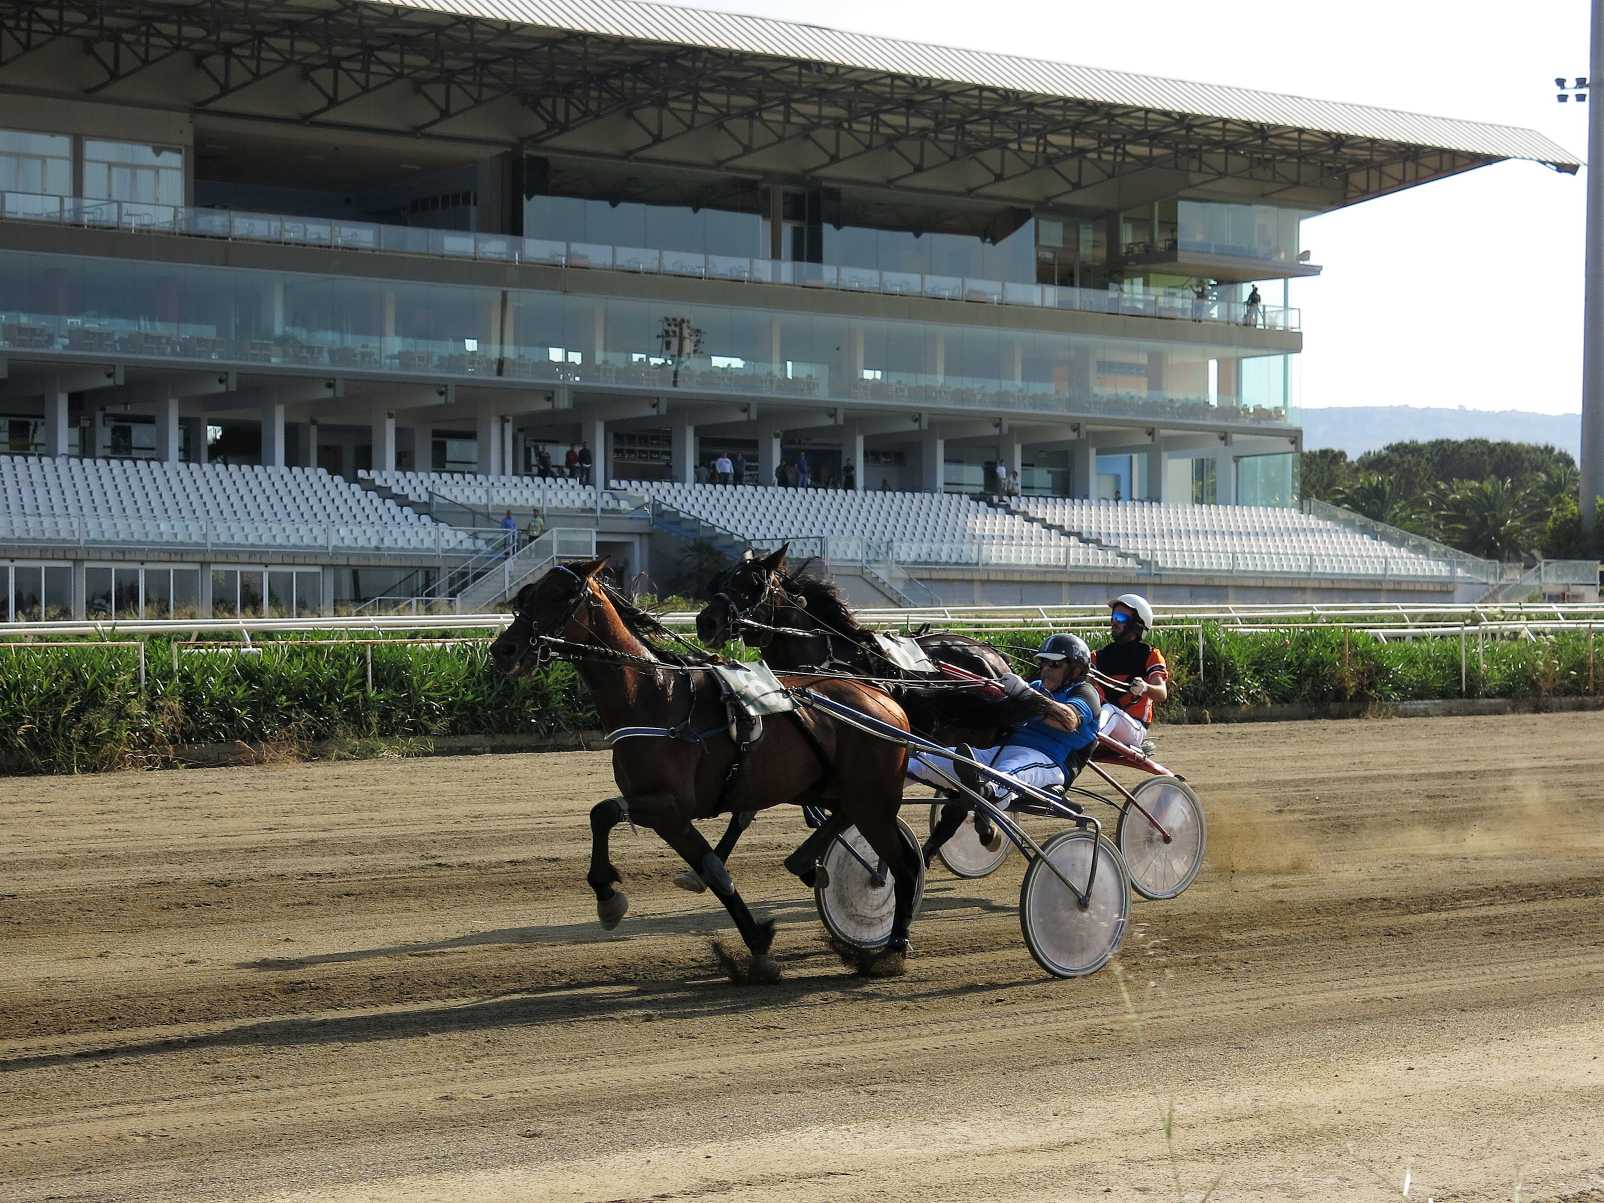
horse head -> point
(542, 608)
(738, 593)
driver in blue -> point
(1045, 752)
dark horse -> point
(685, 772)
(801, 623)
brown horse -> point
(689, 771)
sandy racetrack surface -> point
(384, 980)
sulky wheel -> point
(1161, 869)
(964, 854)
(860, 899)
(1067, 939)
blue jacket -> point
(1055, 742)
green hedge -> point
(77, 709)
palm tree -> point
(1492, 518)
(1378, 497)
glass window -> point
(158, 593)
(186, 592)
(133, 171)
(38, 163)
(58, 592)
(225, 593)
(250, 593)
(126, 592)
(280, 594)
(308, 593)
(27, 593)
(97, 592)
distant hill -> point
(1366, 427)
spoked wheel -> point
(1067, 939)
(1161, 869)
(964, 854)
(860, 901)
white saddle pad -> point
(758, 689)
(905, 653)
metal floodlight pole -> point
(1593, 307)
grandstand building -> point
(292, 296)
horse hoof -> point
(889, 962)
(765, 970)
(688, 881)
(611, 911)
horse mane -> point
(825, 602)
(646, 627)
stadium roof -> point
(644, 83)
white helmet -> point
(1138, 603)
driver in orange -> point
(1130, 659)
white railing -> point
(525, 565)
(127, 529)
(340, 234)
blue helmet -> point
(1071, 648)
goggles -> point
(1120, 617)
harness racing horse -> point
(686, 764)
(801, 623)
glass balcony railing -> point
(339, 234)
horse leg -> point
(952, 818)
(804, 862)
(698, 853)
(688, 879)
(611, 904)
(880, 830)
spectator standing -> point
(1200, 302)
(740, 467)
(1002, 479)
(510, 525)
(804, 474)
(534, 528)
(571, 462)
(849, 476)
(1255, 311)
(543, 461)
(584, 463)
(726, 469)
(700, 472)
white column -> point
(1083, 468)
(167, 432)
(311, 442)
(1225, 477)
(1011, 452)
(853, 454)
(682, 451)
(56, 441)
(932, 462)
(273, 435)
(1157, 485)
(594, 432)
(195, 440)
(489, 440)
(768, 453)
(383, 459)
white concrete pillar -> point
(56, 441)
(593, 431)
(682, 451)
(768, 453)
(520, 457)
(1225, 477)
(167, 431)
(383, 459)
(197, 451)
(1083, 468)
(309, 447)
(273, 435)
(932, 462)
(99, 432)
(1011, 452)
(852, 453)
(489, 440)
(1156, 485)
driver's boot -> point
(985, 830)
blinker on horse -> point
(686, 774)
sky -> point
(1464, 292)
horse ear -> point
(747, 555)
(591, 569)
(775, 561)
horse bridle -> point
(742, 616)
(540, 642)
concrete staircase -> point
(524, 567)
(1007, 507)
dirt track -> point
(384, 981)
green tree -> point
(1325, 473)
(1492, 518)
(1378, 497)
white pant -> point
(1116, 724)
(1027, 764)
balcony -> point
(278, 229)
